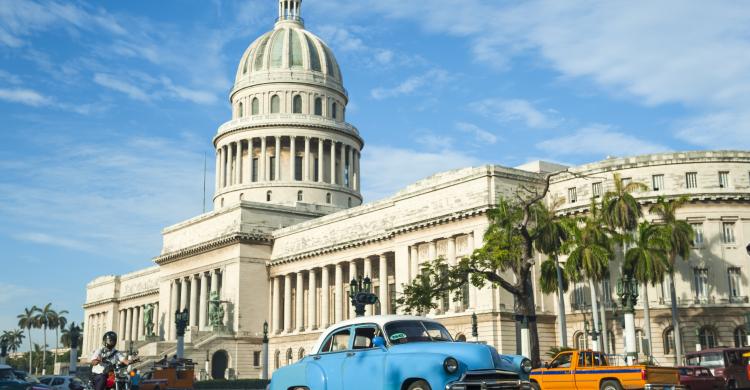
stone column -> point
(383, 281)
(129, 325)
(320, 160)
(349, 172)
(275, 312)
(342, 159)
(247, 169)
(414, 260)
(193, 301)
(218, 170)
(203, 304)
(325, 287)
(432, 251)
(312, 296)
(230, 160)
(121, 329)
(238, 163)
(299, 307)
(292, 158)
(277, 159)
(263, 164)
(170, 327)
(352, 275)
(306, 161)
(333, 162)
(287, 303)
(183, 294)
(338, 292)
(452, 306)
(140, 323)
(472, 289)
(367, 273)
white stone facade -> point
(286, 234)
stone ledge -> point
(243, 238)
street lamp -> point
(591, 332)
(264, 372)
(360, 293)
(627, 289)
(3, 349)
(181, 319)
(474, 327)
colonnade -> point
(316, 297)
(131, 323)
(192, 292)
(95, 326)
(257, 159)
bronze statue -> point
(148, 319)
(215, 310)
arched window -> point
(277, 360)
(255, 106)
(268, 196)
(639, 337)
(707, 337)
(669, 341)
(275, 104)
(334, 108)
(461, 337)
(299, 196)
(579, 340)
(289, 356)
(240, 110)
(349, 202)
(318, 106)
(328, 198)
(297, 104)
(242, 196)
(740, 337)
(301, 354)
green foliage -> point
(590, 248)
(548, 277)
(232, 384)
(647, 260)
(620, 209)
(553, 351)
(679, 233)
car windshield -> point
(410, 331)
(707, 360)
(7, 374)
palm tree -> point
(590, 255)
(679, 235)
(58, 322)
(27, 320)
(646, 261)
(15, 338)
(621, 212)
(552, 233)
(45, 318)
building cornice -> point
(696, 197)
(226, 240)
(268, 121)
(140, 294)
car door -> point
(707, 380)
(364, 365)
(331, 357)
(57, 383)
(559, 374)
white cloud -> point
(480, 135)
(411, 85)
(23, 96)
(514, 110)
(192, 95)
(434, 141)
(728, 129)
(598, 140)
(117, 84)
(60, 241)
(387, 169)
(12, 292)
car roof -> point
(378, 320)
(717, 349)
(5, 366)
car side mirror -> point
(378, 342)
(546, 364)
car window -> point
(57, 382)
(363, 336)
(408, 331)
(77, 381)
(582, 359)
(46, 381)
(599, 359)
(705, 372)
(562, 361)
(7, 375)
(337, 341)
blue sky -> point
(107, 108)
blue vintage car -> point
(401, 353)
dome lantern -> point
(289, 11)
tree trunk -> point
(594, 312)
(44, 352)
(561, 305)
(57, 346)
(603, 312)
(28, 330)
(647, 320)
(675, 320)
(527, 308)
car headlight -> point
(450, 365)
(526, 365)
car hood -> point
(472, 356)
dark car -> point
(700, 378)
(9, 381)
(726, 363)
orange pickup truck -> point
(590, 370)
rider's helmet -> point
(110, 339)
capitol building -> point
(289, 229)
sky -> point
(108, 108)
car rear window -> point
(713, 359)
(7, 375)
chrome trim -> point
(661, 386)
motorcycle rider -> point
(104, 359)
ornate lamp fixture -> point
(360, 293)
(627, 289)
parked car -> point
(63, 382)
(699, 378)
(9, 381)
(727, 363)
(35, 384)
(590, 370)
(399, 352)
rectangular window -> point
(298, 168)
(691, 180)
(727, 232)
(316, 173)
(734, 282)
(701, 284)
(256, 358)
(596, 190)
(346, 174)
(625, 181)
(698, 234)
(255, 169)
(392, 297)
(272, 168)
(724, 179)
(658, 182)
(579, 297)
(572, 195)
(606, 291)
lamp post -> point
(474, 327)
(181, 320)
(75, 337)
(360, 293)
(627, 289)
(3, 349)
(594, 333)
(264, 371)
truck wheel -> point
(419, 385)
(535, 386)
(732, 385)
(610, 385)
